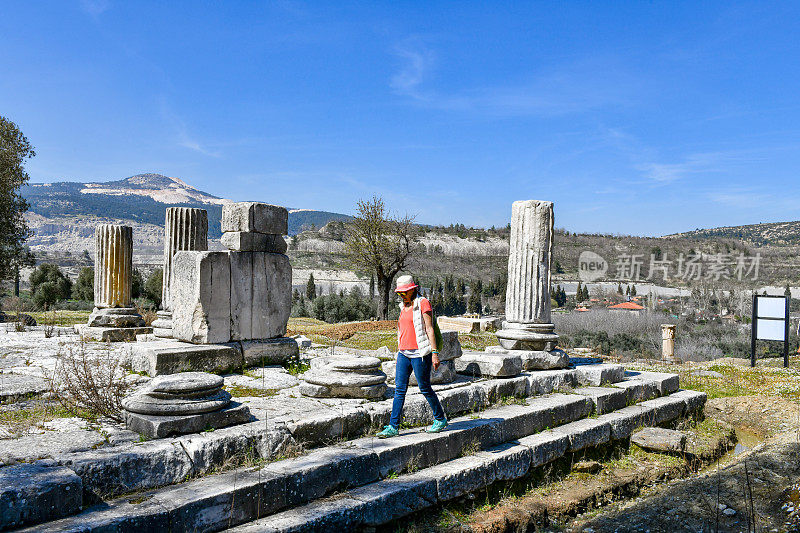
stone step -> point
(390, 499)
(215, 502)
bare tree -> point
(381, 243)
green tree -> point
(633, 290)
(137, 283)
(22, 258)
(84, 286)
(53, 285)
(379, 243)
(14, 150)
(474, 305)
(153, 286)
(619, 289)
(311, 289)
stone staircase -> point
(368, 482)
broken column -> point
(114, 318)
(185, 229)
(668, 342)
(527, 331)
(189, 402)
(344, 377)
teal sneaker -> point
(388, 431)
(437, 426)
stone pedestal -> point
(114, 317)
(527, 331)
(668, 342)
(344, 377)
(190, 402)
(185, 229)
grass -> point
(238, 391)
(60, 318)
(21, 420)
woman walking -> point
(417, 352)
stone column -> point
(668, 342)
(185, 229)
(112, 284)
(527, 325)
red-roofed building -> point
(627, 306)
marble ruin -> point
(527, 338)
(185, 229)
(344, 377)
(114, 318)
(189, 402)
(229, 308)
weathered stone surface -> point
(585, 433)
(172, 356)
(186, 382)
(113, 265)
(144, 403)
(536, 359)
(261, 295)
(533, 337)
(599, 375)
(637, 390)
(344, 377)
(545, 446)
(486, 364)
(302, 341)
(31, 493)
(17, 386)
(605, 399)
(665, 409)
(255, 217)
(446, 373)
(157, 427)
(510, 460)
(116, 317)
(451, 346)
(625, 421)
(664, 382)
(462, 476)
(110, 334)
(185, 229)
(269, 351)
(694, 401)
(243, 241)
(660, 440)
(547, 381)
(201, 297)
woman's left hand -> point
(436, 362)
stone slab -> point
(660, 440)
(30, 494)
(627, 420)
(451, 346)
(14, 387)
(110, 334)
(606, 399)
(255, 217)
(665, 409)
(446, 373)
(242, 241)
(547, 381)
(545, 447)
(586, 433)
(694, 401)
(536, 359)
(116, 318)
(269, 351)
(637, 390)
(479, 364)
(510, 460)
(172, 356)
(201, 297)
(599, 375)
(664, 382)
(260, 295)
(158, 427)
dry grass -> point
(60, 318)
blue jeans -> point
(422, 371)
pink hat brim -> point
(404, 288)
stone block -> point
(255, 217)
(201, 297)
(484, 364)
(30, 494)
(605, 399)
(171, 356)
(451, 346)
(666, 383)
(599, 375)
(497, 389)
(627, 420)
(158, 427)
(243, 241)
(586, 433)
(545, 446)
(116, 317)
(660, 440)
(462, 476)
(536, 359)
(665, 409)
(510, 460)
(694, 401)
(391, 499)
(547, 381)
(260, 295)
(637, 390)
(110, 334)
(14, 387)
(269, 351)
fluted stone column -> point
(528, 325)
(112, 280)
(185, 229)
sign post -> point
(770, 323)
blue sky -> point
(634, 117)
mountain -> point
(769, 233)
(63, 215)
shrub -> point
(49, 285)
(84, 286)
(153, 286)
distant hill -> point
(770, 233)
(63, 214)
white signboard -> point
(771, 308)
(770, 330)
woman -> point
(417, 351)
